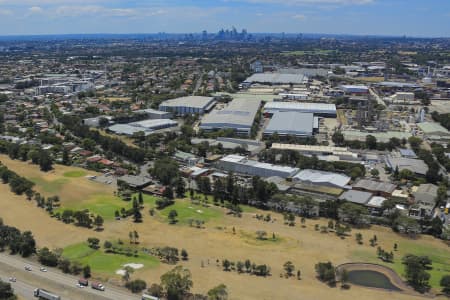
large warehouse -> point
(242, 165)
(277, 78)
(239, 115)
(188, 105)
(319, 109)
(147, 126)
(315, 177)
(292, 123)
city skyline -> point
(355, 17)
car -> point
(79, 286)
(12, 279)
(42, 269)
(28, 268)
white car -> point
(80, 286)
(12, 279)
(43, 269)
(28, 268)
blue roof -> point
(407, 153)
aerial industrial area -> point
(224, 166)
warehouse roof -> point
(238, 114)
(291, 122)
(238, 159)
(356, 196)
(380, 136)
(146, 126)
(277, 78)
(395, 84)
(135, 181)
(414, 165)
(432, 127)
(408, 153)
(376, 201)
(372, 185)
(301, 107)
(319, 177)
(189, 101)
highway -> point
(53, 280)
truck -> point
(98, 286)
(148, 297)
(43, 294)
(83, 282)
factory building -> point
(239, 115)
(154, 114)
(322, 178)
(147, 126)
(276, 79)
(242, 165)
(292, 123)
(318, 109)
(354, 89)
(188, 105)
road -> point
(377, 97)
(55, 280)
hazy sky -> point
(384, 17)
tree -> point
(98, 222)
(374, 173)
(180, 188)
(415, 271)
(248, 265)
(6, 291)
(359, 238)
(445, 284)
(65, 157)
(87, 271)
(371, 142)
(289, 268)
(155, 290)
(45, 161)
(226, 265)
(176, 283)
(338, 138)
(326, 272)
(140, 198)
(261, 235)
(173, 216)
(343, 276)
(136, 286)
(47, 257)
(93, 243)
(168, 192)
(166, 170)
(127, 273)
(184, 254)
(219, 292)
(240, 266)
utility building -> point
(292, 123)
(188, 105)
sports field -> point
(215, 241)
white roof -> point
(301, 106)
(315, 176)
(189, 101)
(277, 78)
(376, 201)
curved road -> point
(63, 283)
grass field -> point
(186, 210)
(309, 52)
(216, 241)
(440, 258)
(75, 174)
(106, 263)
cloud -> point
(35, 10)
(299, 17)
(309, 2)
(5, 12)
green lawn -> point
(439, 257)
(52, 187)
(186, 210)
(102, 204)
(75, 174)
(106, 263)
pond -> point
(370, 278)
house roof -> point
(321, 177)
(372, 185)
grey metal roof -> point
(414, 165)
(277, 78)
(238, 114)
(372, 185)
(292, 123)
(356, 196)
(189, 101)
